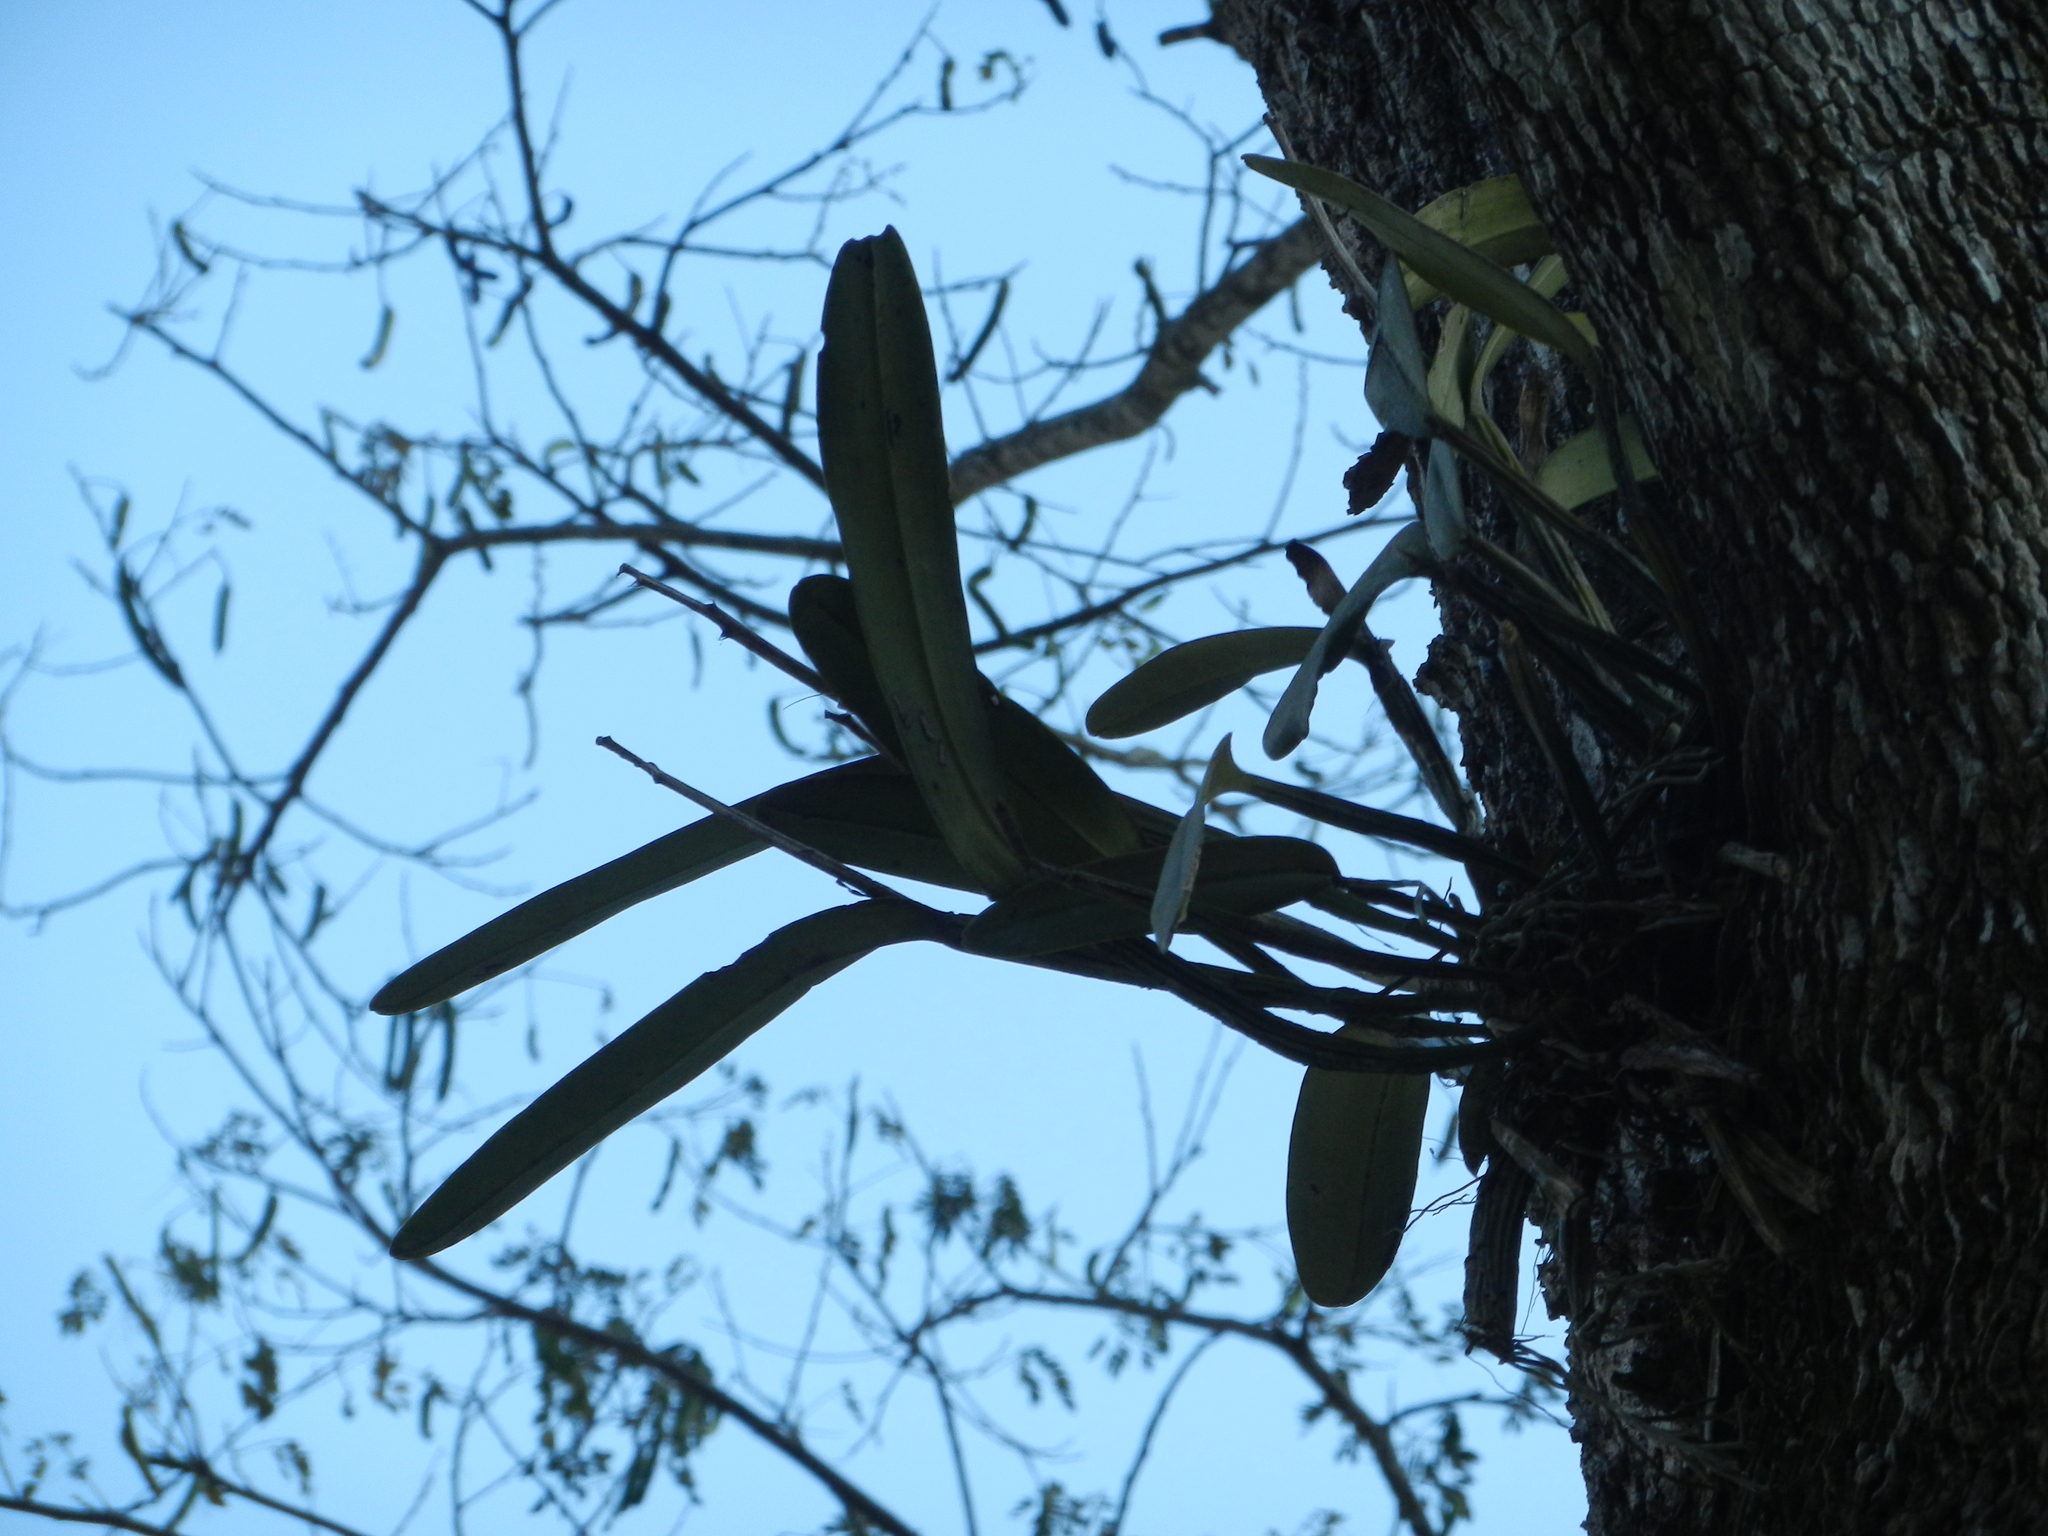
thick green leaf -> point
(918, 465)
(1183, 862)
(1351, 1164)
(1156, 826)
(1443, 503)
(1450, 370)
(1544, 282)
(1061, 802)
(684, 1037)
(1463, 274)
(1238, 876)
(877, 821)
(1191, 676)
(1405, 555)
(1580, 469)
(1063, 810)
(826, 620)
(915, 438)
(561, 912)
(1492, 217)
(1396, 377)
(885, 469)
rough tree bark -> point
(1814, 232)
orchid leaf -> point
(1063, 810)
(1443, 503)
(877, 821)
(1464, 275)
(1238, 877)
(1580, 469)
(1396, 376)
(867, 794)
(1178, 872)
(1351, 1167)
(1406, 554)
(826, 621)
(1544, 281)
(1193, 675)
(1066, 813)
(1451, 369)
(884, 452)
(1492, 217)
(663, 1052)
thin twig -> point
(113, 1519)
(109, 1519)
(1361, 291)
(431, 558)
(1123, 1502)
(197, 1467)
(733, 630)
(844, 873)
(1172, 367)
(1090, 612)
(670, 530)
(633, 1352)
(1376, 1436)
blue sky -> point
(109, 109)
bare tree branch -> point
(431, 559)
(669, 531)
(733, 630)
(857, 1501)
(564, 271)
(106, 1519)
(1295, 1346)
(116, 1520)
(1172, 367)
(1090, 612)
(209, 1478)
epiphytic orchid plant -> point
(969, 791)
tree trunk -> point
(1811, 234)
